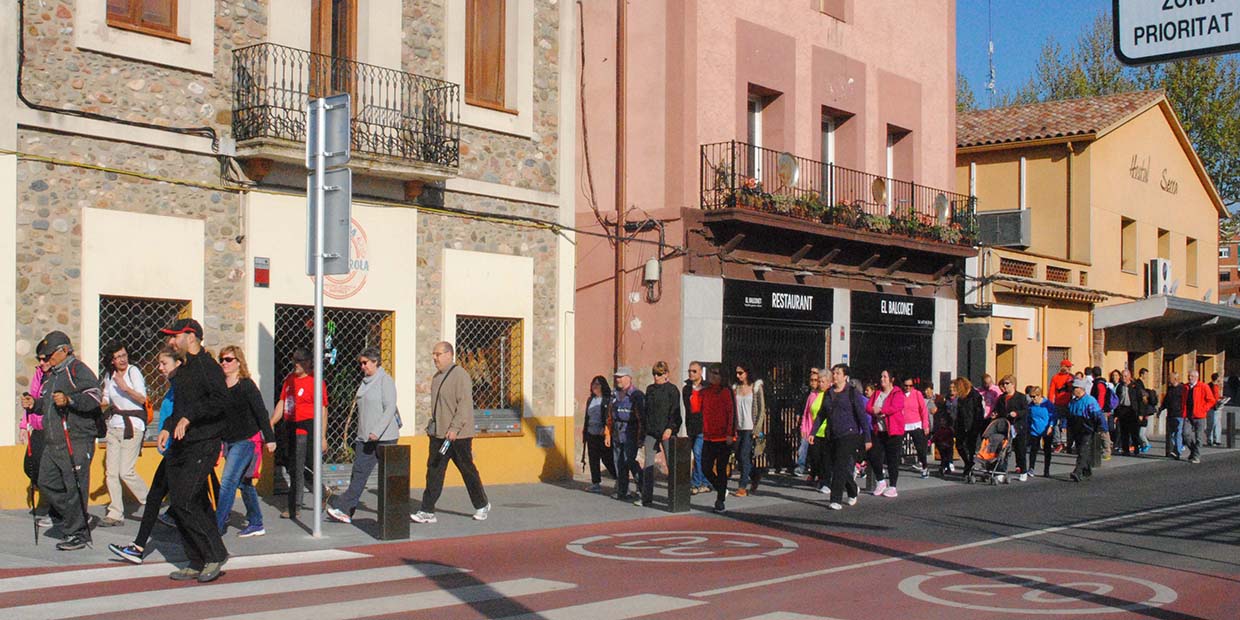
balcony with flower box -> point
(744, 183)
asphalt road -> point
(1159, 540)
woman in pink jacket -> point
(916, 422)
(886, 409)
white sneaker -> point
(824, 489)
(852, 500)
(337, 515)
(1000, 479)
(925, 472)
(424, 517)
(880, 487)
(891, 492)
(951, 468)
(834, 506)
(481, 513)
(1023, 477)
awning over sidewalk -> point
(1172, 314)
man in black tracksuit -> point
(195, 428)
(69, 402)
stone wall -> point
(437, 232)
(50, 199)
(59, 74)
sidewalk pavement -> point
(516, 508)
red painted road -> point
(703, 567)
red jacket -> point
(892, 411)
(718, 414)
(1056, 391)
(1203, 400)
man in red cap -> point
(1060, 393)
(190, 439)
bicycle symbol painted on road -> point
(1038, 591)
(682, 546)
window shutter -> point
(484, 53)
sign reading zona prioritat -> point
(682, 546)
(1038, 591)
(1148, 31)
(788, 303)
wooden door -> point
(1005, 362)
(333, 42)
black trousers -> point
(154, 502)
(1020, 447)
(715, 456)
(189, 469)
(822, 453)
(300, 470)
(966, 445)
(1084, 453)
(918, 436)
(460, 452)
(843, 455)
(56, 482)
(1047, 444)
(599, 453)
(887, 450)
(1129, 433)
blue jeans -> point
(1214, 426)
(698, 479)
(365, 458)
(1175, 440)
(744, 456)
(802, 453)
(625, 454)
(238, 463)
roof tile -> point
(1052, 119)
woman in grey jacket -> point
(378, 424)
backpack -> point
(1112, 400)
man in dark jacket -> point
(69, 402)
(693, 424)
(1173, 404)
(191, 439)
(1014, 406)
(661, 421)
(624, 421)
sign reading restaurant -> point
(1148, 31)
(787, 303)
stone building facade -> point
(99, 210)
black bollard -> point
(1231, 427)
(679, 473)
(393, 492)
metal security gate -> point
(781, 356)
(346, 334)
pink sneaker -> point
(891, 492)
(880, 488)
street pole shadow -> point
(485, 601)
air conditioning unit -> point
(1004, 228)
(1159, 281)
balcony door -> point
(333, 40)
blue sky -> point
(1019, 28)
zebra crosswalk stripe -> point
(614, 609)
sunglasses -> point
(43, 358)
(227, 358)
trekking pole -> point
(34, 517)
(64, 426)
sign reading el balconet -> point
(1149, 31)
(787, 303)
(892, 310)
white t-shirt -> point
(121, 402)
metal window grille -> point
(491, 350)
(346, 333)
(134, 323)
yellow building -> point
(1101, 227)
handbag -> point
(660, 462)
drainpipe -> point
(621, 34)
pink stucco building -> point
(796, 160)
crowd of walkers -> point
(850, 429)
(213, 410)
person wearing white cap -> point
(1086, 418)
(624, 430)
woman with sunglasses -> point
(1015, 407)
(247, 429)
(750, 428)
(917, 422)
(378, 424)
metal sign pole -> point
(320, 166)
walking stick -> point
(64, 426)
(33, 517)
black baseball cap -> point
(183, 326)
(52, 341)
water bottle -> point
(443, 448)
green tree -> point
(965, 101)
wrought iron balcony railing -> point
(395, 114)
(740, 175)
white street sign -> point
(1149, 31)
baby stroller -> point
(992, 452)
